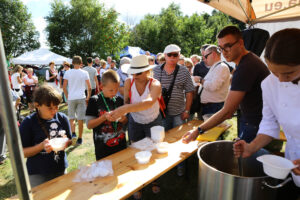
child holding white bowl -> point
(43, 164)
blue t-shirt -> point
(33, 134)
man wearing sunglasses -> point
(180, 95)
(245, 91)
(216, 83)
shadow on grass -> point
(70, 149)
(8, 190)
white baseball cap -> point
(172, 48)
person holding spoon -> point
(281, 104)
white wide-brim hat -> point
(137, 64)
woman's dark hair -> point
(46, 95)
(283, 47)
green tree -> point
(18, 32)
(85, 28)
(194, 32)
(154, 32)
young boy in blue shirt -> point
(109, 136)
(37, 129)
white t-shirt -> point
(76, 83)
(30, 80)
(92, 73)
(14, 81)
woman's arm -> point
(241, 148)
(155, 92)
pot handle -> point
(279, 185)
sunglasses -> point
(206, 56)
(175, 55)
(137, 74)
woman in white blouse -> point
(281, 104)
(140, 97)
(141, 93)
(17, 80)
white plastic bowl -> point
(58, 144)
(276, 166)
(157, 133)
(162, 147)
(143, 157)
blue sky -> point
(131, 11)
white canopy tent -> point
(40, 56)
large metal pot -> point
(219, 177)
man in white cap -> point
(177, 107)
(177, 90)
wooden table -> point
(129, 176)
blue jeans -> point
(170, 121)
(211, 108)
(137, 131)
(247, 131)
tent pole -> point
(8, 118)
(244, 10)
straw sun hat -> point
(137, 64)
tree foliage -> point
(18, 32)
(154, 32)
(85, 28)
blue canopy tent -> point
(130, 52)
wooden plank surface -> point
(129, 176)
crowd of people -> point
(166, 90)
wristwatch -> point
(186, 111)
(200, 131)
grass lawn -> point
(172, 186)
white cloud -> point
(40, 24)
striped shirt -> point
(183, 84)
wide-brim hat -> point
(138, 64)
